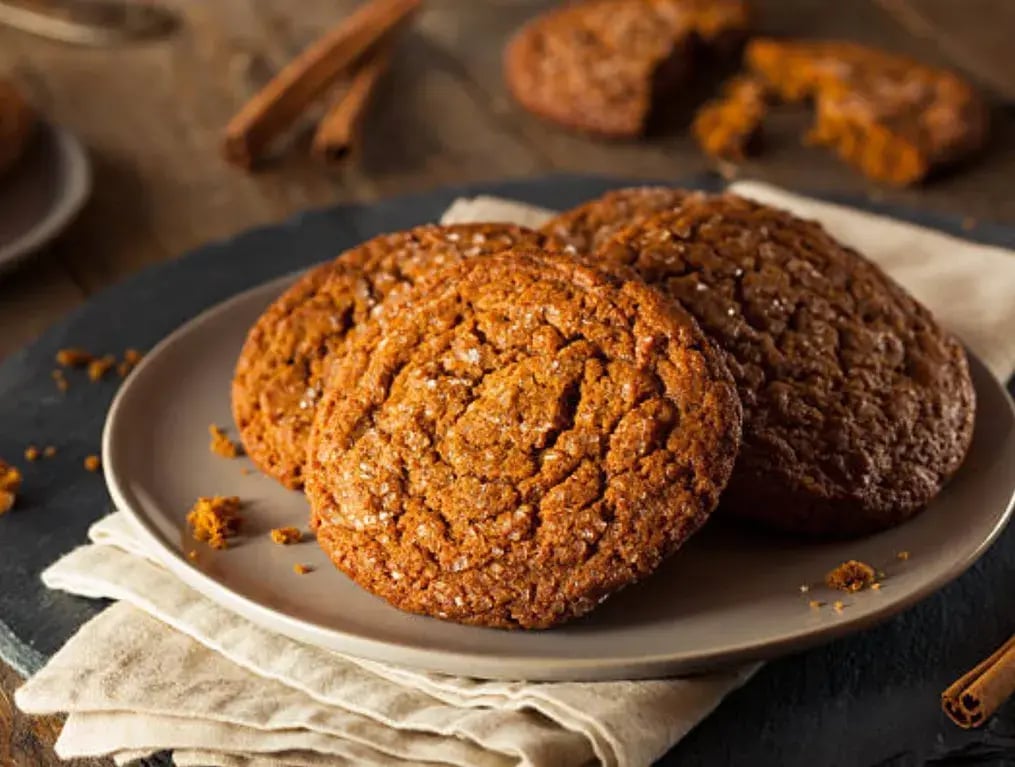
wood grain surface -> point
(151, 117)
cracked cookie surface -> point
(283, 367)
(525, 438)
(858, 406)
(593, 223)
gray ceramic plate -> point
(727, 597)
(42, 193)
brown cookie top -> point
(593, 223)
(525, 438)
(600, 65)
(895, 118)
(282, 369)
(858, 407)
(17, 123)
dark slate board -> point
(868, 699)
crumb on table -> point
(93, 463)
(98, 367)
(851, 575)
(60, 380)
(302, 569)
(214, 519)
(130, 359)
(286, 535)
(32, 453)
(221, 445)
(10, 483)
(73, 358)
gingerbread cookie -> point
(17, 124)
(858, 406)
(525, 438)
(590, 225)
(895, 119)
(603, 66)
(282, 369)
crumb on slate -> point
(93, 463)
(32, 453)
(49, 451)
(221, 445)
(73, 358)
(10, 483)
(214, 519)
(60, 380)
(851, 575)
(98, 367)
(286, 535)
(302, 569)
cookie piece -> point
(602, 66)
(858, 407)
(895, 119)
(526, 438)
(17, 124)
(729, 127)
(593, 223)
(283, 366)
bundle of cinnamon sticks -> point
(352, 56)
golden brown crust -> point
(601, 66)
(858, 406)
(894, 118)
(17, 124)
(283, 367)
(524, 439)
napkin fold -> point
(165, 668)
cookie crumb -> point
(286, 535)
(73, 358)
(192, 554)
(98, 368)
(10, 483)
(214, 519)
(804, 588)
(93, 463)
(902, 556)
(246, 471)
(302, 569)
(32, 453)
(221, 445)
(60, 380)
(839, 606)
(49, 451)
(851, 575)
(815, 604)
(130, 359)
(876, 586)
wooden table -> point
(151, 117)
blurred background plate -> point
(42, 194)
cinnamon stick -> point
(339, 128)
(301, 82)
(976, 695)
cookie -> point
(17, 124)
(524, 439)
(858, 407)
(895, 119)
(593, 223)
(729, 127)
(283, 366)
(603, 66)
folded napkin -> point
(165, 668)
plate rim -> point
(506, 667)
(78, 178)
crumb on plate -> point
(816, 603)
(902, 556)
(839, 606)
(221, 445)
(302, 569)
(286, 535)
(851, 575)
(214, 519)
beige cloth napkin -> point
(164, 668)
